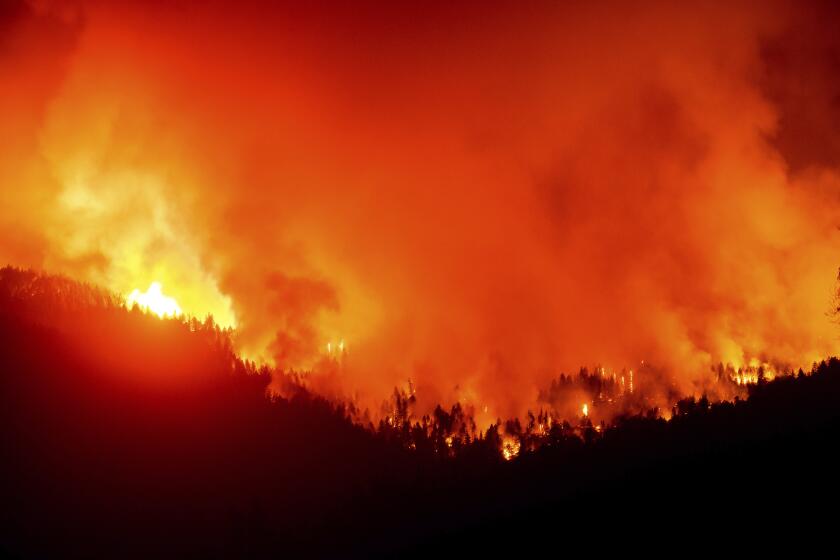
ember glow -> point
(510, 448)
(474, 199)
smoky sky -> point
(473, 196)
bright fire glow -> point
(585, 409)
(684, 233)
(510, 448)
(154, 301)
(333, 348)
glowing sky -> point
(473, 196)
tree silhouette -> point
(123, 435)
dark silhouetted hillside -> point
(126, 436)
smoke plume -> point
(474, 197)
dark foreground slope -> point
(123, 436)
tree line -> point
(126, 436)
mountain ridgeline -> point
(124, 435)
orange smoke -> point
(473, 197)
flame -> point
(154, 301)
(754, 370)
(336, 348)
(585, 409)
(510, 448)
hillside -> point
(124, 435)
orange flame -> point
(154, 301)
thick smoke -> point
(473, 197)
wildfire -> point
(336, 348)
(154, 301)
(754, 371)
(745, 378)
(510, 448)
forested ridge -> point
(127, 436)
